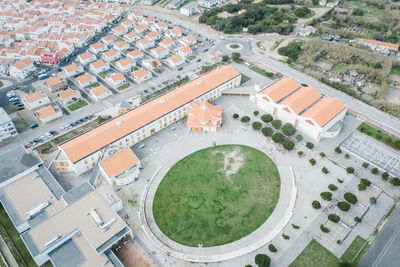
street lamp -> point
(200, 246)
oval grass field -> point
(216, 195)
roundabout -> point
(234, 46)
(216, 195)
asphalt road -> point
(385, 250)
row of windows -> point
(61, 163)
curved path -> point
(265, 233)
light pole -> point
(200, 246)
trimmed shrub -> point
(365, 164)
(278, 138)
(295, 226)
(256, 112)
(267, 118)
(372, 200)
(385, 176)
(288, 129)
(343, 205)
(326, 196)
(374, 171)
(277, 124)
(338, 150)
(325, 170)
(285, 236)
(322, 154)
(272, 248)
(235, 115)
(350, 170)
(395, 181)
(267, 131)
(309, 145)
(245, 119)
(357, 219)
(333, 218)
(316, 205)
(332, 187)
(312, 162)
(351, 198)
(365, 182)
(324, 229)
(288, 145)
(256, 125)
(340, 181)
(346, 156)
(300, 153)
(299, 137)
(362, 187)
(262, 260)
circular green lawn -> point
(216, 195)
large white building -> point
(7, 128)
(82, 153)
(304, 107)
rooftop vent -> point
(95, 217)
(53, 240)
(118, 123)
(33, 212)
(162, 101)
(198, 82)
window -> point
(143, 131)
(138, 138)
(137, 133)
(86, 162)
(127, 140)
(120, 143)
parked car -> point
(37, 140)
(33, 126)
(198, 60)
(20, 108)
(27, 146)
(53, 132)
(180, 68)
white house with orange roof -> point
(185, 51)
(145, 43)
(109, 39)
(204, 117)
(224, 15)
(140, 28)
(167, 42)
(111, 55)
(131, 37)
(121, 168)
(135, 55)
(125, 64)
(154, 36)
(304, 107)
(99, 92)
(160, 52)
(36, 100)
(174, 33)
(97, 48)
(161, 26)
(176, 61)
(152, 63)
(116, 79)
(141, 75)
(137, 124)
(128, 24)
(137, 14)
(22, 68)
(86, 58)
(68, 95)
(48, 113)
(86, 80)
(55, 83)
(148, 21)
(121, 46)
(72, 70)
(99, 66)
(188, 40)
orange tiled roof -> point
(325, 110)
(301, 99)
(71, 68)
(280, 89)
(107, 133)
(98, 90)
(120, 162)
(46, 112)
(65, 94)
(52, 81)
(394, 47)
(202, 114)
(34, 96)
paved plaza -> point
(369, 150)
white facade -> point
(7, 128)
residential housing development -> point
(134, 126)
(304, 107)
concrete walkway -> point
(8, 256)
(264, 234)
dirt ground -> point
(133, 255)
(393, 92)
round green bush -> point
(385, 176)
(326, 196)
(257, 125)
(278, 138)
(325, 170)
(272, 248)
(299, 137)
(365, 182)
(235, 115)
(312, 162)
(324, 229)
(263, 260)
(351, 198)
(288, 129)
(333, 218)
(256, 112)
(357, 219)
(277, 124)
(309, 145)
(267, 131)
(316, 205)
(288, 145)
(267, 118)
(322, 154)
(374, 171)
(332, 187)
(245, 119)
(349, 170)
(300, 153)
(361, 187)
(365, 165)
(395, 181)
(372, 200)
(343, 205)
(338, 150)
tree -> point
(351, 198)
(349, 169)
(277, 124)
(256, 112)
(343, 205)
(245, 119)
(288, 145)
(292, 50)
(302, 11)
(257, 125)
(267, 131)
(300, 153)
(372, 200)
(325, 170)
(288, 129)
(395, 181)
(326, 196)
(357, 219)
(385, 176)
(299, 137)
(235, 56)
(361, 187)
(365, 182)
(365, 165)
(263, 260)
(346, 156)
(322, 154)
(312, 162)
(12, 109)
(374, 171)
(278, 138)
(332, 187)
(267, 118)
(225, 58)
(309, 145)
(235, 115)
(272, 248)
(333, 218)
(338, 150)
(324, 229)
(316, 205)
(358, 12)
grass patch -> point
(352, 251)
(103, 74)
(46, 148)
(95, 85)
(234, 46)
(1, 84)
(216, 195)
(379, 135)
(191, 58)
(244, 79)
(14, 241)
(259, 45)
(123, 87)
(77, 105)
(263, 72)
(276, 44)
(395, 71)
(315, 255)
